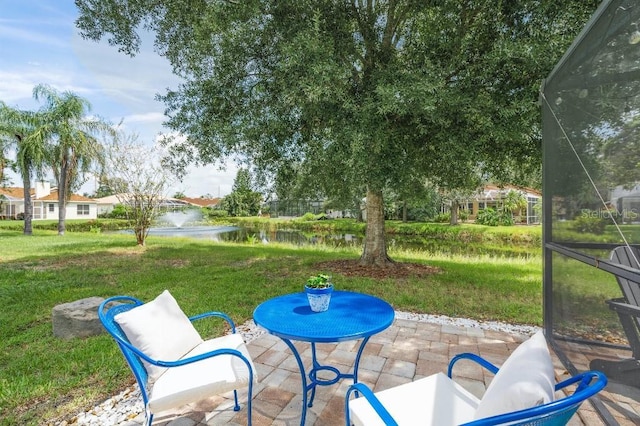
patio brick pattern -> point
(406, 351)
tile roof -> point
(53, 196)
(12, 192)
(509, 187)
(17, 193)
(202, 202)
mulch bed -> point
(353, 268)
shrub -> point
(442, 218)
(120, 211)
(308, 216)
(213, 213)
(591, 223)
(492, 217)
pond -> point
(402, 242)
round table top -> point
(350, 316)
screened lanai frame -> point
(591, 189)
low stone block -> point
(77, 319)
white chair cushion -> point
(435, 400)
(202, 379)
(525, 380)
(160, 330)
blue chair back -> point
(554, 413)
(108, 309)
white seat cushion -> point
(526, 379)
(160, 330)
(202, 379)
(435, 400)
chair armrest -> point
(183, 361)
(196, 358)
(620, 306)
(585, 378)
(215, 314)
(473, 357)
(372, 399)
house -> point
(45, 204)
(624, 203)
(491, 196)
(106, 204)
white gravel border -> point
(463, 322)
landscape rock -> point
(77, 319)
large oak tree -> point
(357, 93)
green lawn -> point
(42, 377)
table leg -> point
(313, 379)
(356, 364)
(303, 375)
(312, 374)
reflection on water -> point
(243, 235)
(210, 232)
(255, 236)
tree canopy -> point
(353, 93)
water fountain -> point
(179, 218)
(187, 223)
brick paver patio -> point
(407, 351)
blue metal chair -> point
(557, 412)
(202, 376)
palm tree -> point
(5, 142)
(17, 127)
(514, 201)
(70, 135)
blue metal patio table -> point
(351, 316)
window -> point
(83, 209)
(52, 207)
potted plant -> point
(319, 288)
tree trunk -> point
(28, 205)
(140, 235)
(404, 211)
(454, 213)
(358, 209)
(375, 246)
(62, 197)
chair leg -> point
(148, 416)
(235, 398)
(249, 410)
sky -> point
(39, 43)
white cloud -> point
(207, 180)
(133, 82)
(40, 44)
(149, 117)
(17, 86)
(14, 30)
